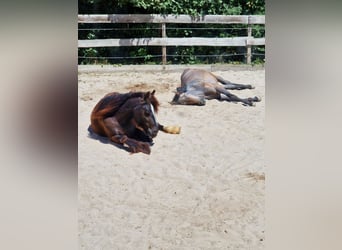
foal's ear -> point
(147, 96)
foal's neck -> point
(125, 113)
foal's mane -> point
(112, 102)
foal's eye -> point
(147, 113)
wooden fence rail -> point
(248, 41)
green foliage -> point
(255, 7)
(188, 7)
(88, 52)
(193, 8)
(258, 55)
(184, 55)
(142, 52)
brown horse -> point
(128, 119)
(197, 85)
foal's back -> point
(199, 76)
(199, 82)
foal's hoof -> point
(250, 101)
(144, 148)
(256, 99)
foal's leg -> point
(114, 131)
(227, 96)
(230, 85)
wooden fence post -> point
(249, 47)
(164, 47)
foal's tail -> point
(170, 129)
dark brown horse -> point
(197, 85)
(128, 119)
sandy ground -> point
(201, 189)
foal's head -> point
(144, 115)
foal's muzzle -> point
(152, 132)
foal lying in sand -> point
(197, 85)
(128, 119)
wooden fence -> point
(246, 41)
